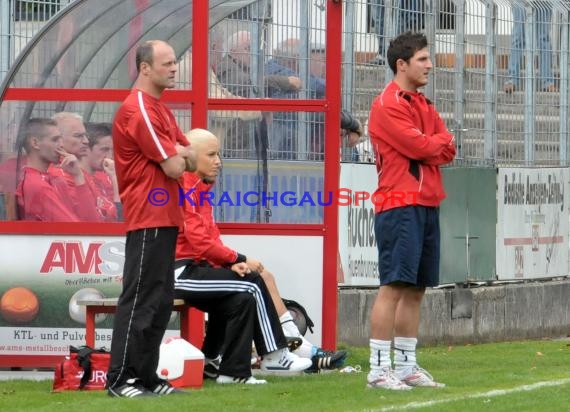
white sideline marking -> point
(489, 394)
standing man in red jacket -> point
(151, 154)
(410, 142)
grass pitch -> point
(515, 376)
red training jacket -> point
(44, 197)
(201, 239)
(410, 142)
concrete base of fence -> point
(475, 315)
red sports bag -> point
(84, 369)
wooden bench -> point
(191, 319)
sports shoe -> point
(293, 342)
(283, 361)
(224, 379)
(421, 378)
(165, 388)
(387, 380)
(131, 389)
(326, 360)
(212, 367)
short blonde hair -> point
(198, 136)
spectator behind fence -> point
(221, 120)
(284, 125)
(350, 126)
(409, 16)
(542, 11)
(411, 141)
(99, 168)
(151, 154)
(42, 196)
(234, 74)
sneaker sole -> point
(431, 385)
(278, 372)
(294, 343)
(402, 388)
(147, 394)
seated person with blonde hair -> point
(213, 263)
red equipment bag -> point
(84, 369)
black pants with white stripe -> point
(144, 306)
(239, 309)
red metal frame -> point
(332, 168)
(186, 99)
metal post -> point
(303, 144)
(348, 61)
(529, 91)
(430, 22)
(459, 104)
(564, 86)
(490, 124)
(5, 38)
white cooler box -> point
(181, 363)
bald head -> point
(238, 46)
(207, 149)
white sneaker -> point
(420, 377)
(224, 379)
(283, 361)
(387, 380)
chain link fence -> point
(500, 79)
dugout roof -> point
(91, 43)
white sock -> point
(307, 349)
(404, 355)
(379, 357)
(288, 325)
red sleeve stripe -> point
(149, 125)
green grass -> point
(471, 372)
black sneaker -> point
(327, 360)
(165, 388)
(131, 389)
(212, 367)
(293, 342)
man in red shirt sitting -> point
(76, 142)
(42, 196)
(99, 168)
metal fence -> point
(500, 80)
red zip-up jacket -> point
(201, 239)
(45, 197)
(410, 142)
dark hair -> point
(96, 131)
(35, 127)
(404, 47)
(145, 53)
